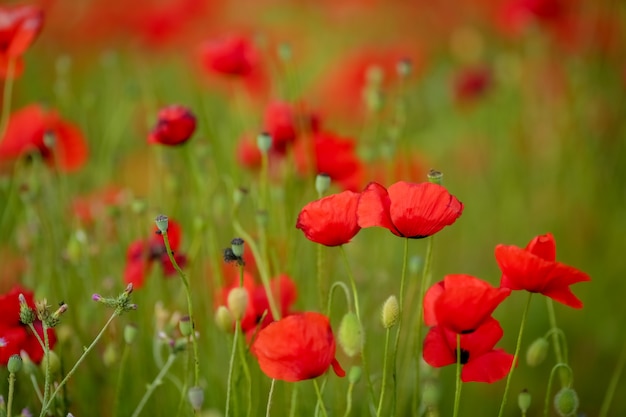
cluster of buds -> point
(173, 329)
(121, 303)
(43, 312)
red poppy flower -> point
(231, 55)
(333, 155)
(332, 220)
(461, 303)
(297, 347)
(535, 269)
(16, 336)
(141, 254)
(472, 83)
(413, 210)
(33, 129)
(19, 27)
(283, 290)
(175, 126)
(481, 362)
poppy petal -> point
(490, 367)
(373, 209)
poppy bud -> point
(322, 183)
(237, 302)
(110, 356)
(354, 375)
(350, 335)
(15, 363)
(537, 351)
(391, 312)
(185, 326)
(175, 126)
(224, 319)
(130, 332)
(162, 223)
(264, 142)
(566, 402)
(523, 401)
(29, 365)
(52, 360)
(196, 397)
(237, 246)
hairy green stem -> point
(396, 342)
(11, 388)
(610, 391)
(120, 380)
(231, 366)
(384, 383)
(555, 338)
(320, 400)
(157, 381)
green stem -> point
(33, 380)
(555, 338)
(516, 354)
(396, 342)
(46, 405)
(231, 366)
(11, 388)
(320, 400)
(269, 399)
(6, 98)
(459, 385)
(183, 277)
(608, 397)
(420, 316)
(349, 400)
(320, 274)
(546, 404)
(384, 383)
(46, 386)
(120, 380)
(294, 400)
(355, 295)
(157, 381)
(346, 292)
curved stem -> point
(396, 343)
(459, 385)
(555, 338)
(157, 381)
(610, 391)
(550, 381)
(269, 399)
(516, 354)
(349, 400)
(294, 400)
(346, 292)
(46, 405)
(384, 383)
(183, 277)
(46, 384)
(320, 400)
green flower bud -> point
(354, 375)
(322, 183)
(27, 315)
(566, 402)
(224, 319)
(391, 312)
(130, 333)
(523, 401)
(53, 359)
(537, 351)
(350, 335)
(237, 302)
(185, 326)
(264, 142)
(15, 363)
(196, 397)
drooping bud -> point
(350, 335)
(196, 397)
(15, 363)
(537, 351)
(354, 375)
(175, 126)
(523, 401)
(566, 402)
(391, 312)
(224, 319)
(322, 183)
(237, 302)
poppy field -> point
(312, 208)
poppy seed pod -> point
(350, 335)
(523, 401)
(237, 302)
(15, 363)
(537, 351)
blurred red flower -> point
(16, 336)
(175, 126)
(19, 27)
(472, 83)
(35, 129)
(331, 220)
(535, 269)
(92, 207)
(258, 311)
(297, 347)
(333, 155)
(413, 210)
(461, 303)
(481, 362)
(141, 254)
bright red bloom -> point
(413, 210)
(297, 347)
(16, 336)
(333, 155)
(472, 83)
(232, 55)
(331, 220)
(535, 269)
(481, 362)
(461, 303)
(33, 128)
(283, 290)
(141, 254)
(175, 126)
(19, 27)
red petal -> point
(433, 293)
(332, 220)
(437, 351)
(490, 367)
(543, 246)
(373, 209)
(70, 148)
